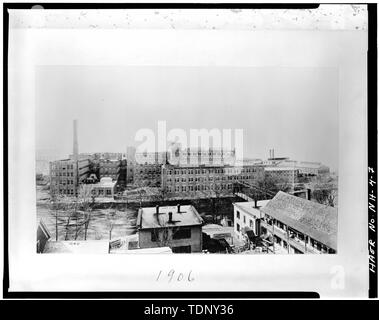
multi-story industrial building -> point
(177, 179)
(282, 174)
(147, 174)
(178, 227)
(306, 168)
(109, 168)
(67, 175)
(196, 157)
(105, 188)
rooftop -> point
(105, 182)
(281, 169)
(250, 205)
(313, 219)
(150, 250)
(148, 218)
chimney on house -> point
(178, 206)
(157, 209)
(170, 217)
(255, 203)
(76, 146)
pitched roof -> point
(188, 216)
(313, 219)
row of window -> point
(149, 172)
(64, 182)
(66, 192)
(238, 215)
(209, 179)
(296, 235)
(199, 188)
(107, 192)
(210, 171)
(177, 234)
(63, 174)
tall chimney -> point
(170, 217)
(178, 206)
(76, 146)
(273, 154)
(157, 209)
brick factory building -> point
(208, 178)
(109, 168)
(67, 175)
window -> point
(181, 233)
(181, 249)
(238, 214)
(244, 219)
(238, 227)
(154, 236)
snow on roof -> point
(105, 182)
(188, 216)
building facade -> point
(292, 224)
(109, 168)
(196, 157)
(147, 174)
(177, 179)
(306, 168)
(177, 227)
(105, 188)
(282, 174)
(247, 216)
(67, 175)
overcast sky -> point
(293, 110)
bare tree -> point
(324, 190)
(111, 217)
(87, 199)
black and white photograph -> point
(220, 146)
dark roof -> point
(313, 219)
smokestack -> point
(76, 146)
(273, 154)
(170, 217)
(178, 206)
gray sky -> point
(294, 110)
